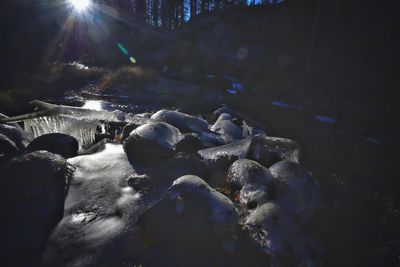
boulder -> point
(152, 142)
(226, 128)
(184, 122)
(32, 195)
(200, 220)
(268, 150)
(296, 190)
(57, 143)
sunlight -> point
(93, 104)
(80, 5)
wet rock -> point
(57, 143)
(32, 193)
(228, 130)
(222, 110)
(7, 146)
(244, 171)
(296, 189)
(269, 150)
(277, 234)
(238, 149)
(127, 130)
(152, 142)
(199, 219)
(184, 122)
(16, 134)
(190, 143)
(251, 181)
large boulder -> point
(251, 181)
(184, 122)
(296, 190)
(191, 219)
(152, 142)
(269, 150)
(277, 234)
(32, 193)
(57, 143)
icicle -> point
(82, 129)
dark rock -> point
(226, 128)
(184, 122)
(244, 171)
(32, 196)
(269, 150)
(190, 143)
(252, 180)
(127, 130)
(200, 220)
(277, 234)
(7, 146)
(296, 189)
(20, 137)
(152, 142)
(57, 143)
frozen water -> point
(82, 129)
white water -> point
(82, 129)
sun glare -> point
(80, 5)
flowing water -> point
(355, 165)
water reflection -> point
(284, 105)
(324, 119)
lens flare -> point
(80, 5)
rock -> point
(16, 134)
(222, 110)
(127, 130)
(269, 150)
(199, 219)
(244, 171)
(152, 142)
(184, 122)
(235, 149)
(7, 146)
(296, 190)
(32, 195)
(277, 234)
(190, 143)
(228, 130)
(251, 181)
(57, 143)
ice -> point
(83, 129)
(238, 149)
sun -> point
(80, 5)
